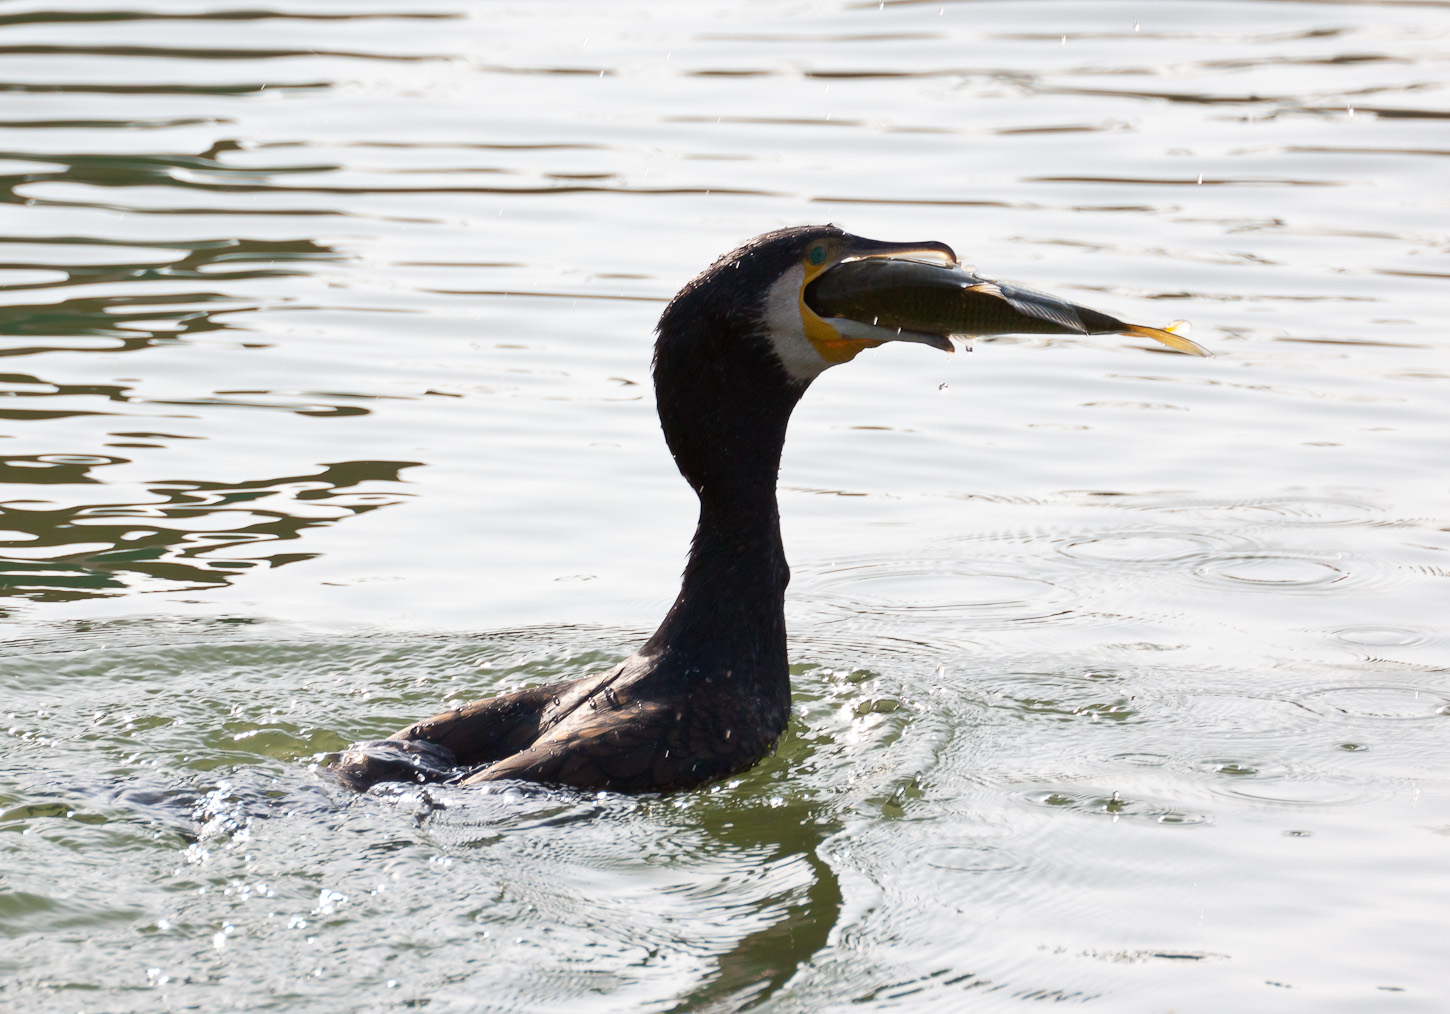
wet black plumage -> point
(709, 693)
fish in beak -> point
(864, 293)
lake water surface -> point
(1122, 678)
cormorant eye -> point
(818, 255)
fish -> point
(948, 299)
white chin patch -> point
(786, 331)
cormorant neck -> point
(724, 402)
(729, 618)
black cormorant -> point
(709, 693)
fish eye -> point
(818, 255)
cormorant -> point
(709, 693)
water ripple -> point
(1372, 636)
(1379, 702)
(884, 588)
(1309, 511)
(1115, 807)
(1144, 547)
(1268, 571)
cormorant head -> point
(817, 296)
(764, 289)
(740, 343)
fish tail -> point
(1168, 336)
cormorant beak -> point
(864, 293)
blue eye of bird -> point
(818, 255)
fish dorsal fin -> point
(1037, 305)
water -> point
(1120, 677)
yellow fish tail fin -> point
(1169, 336)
